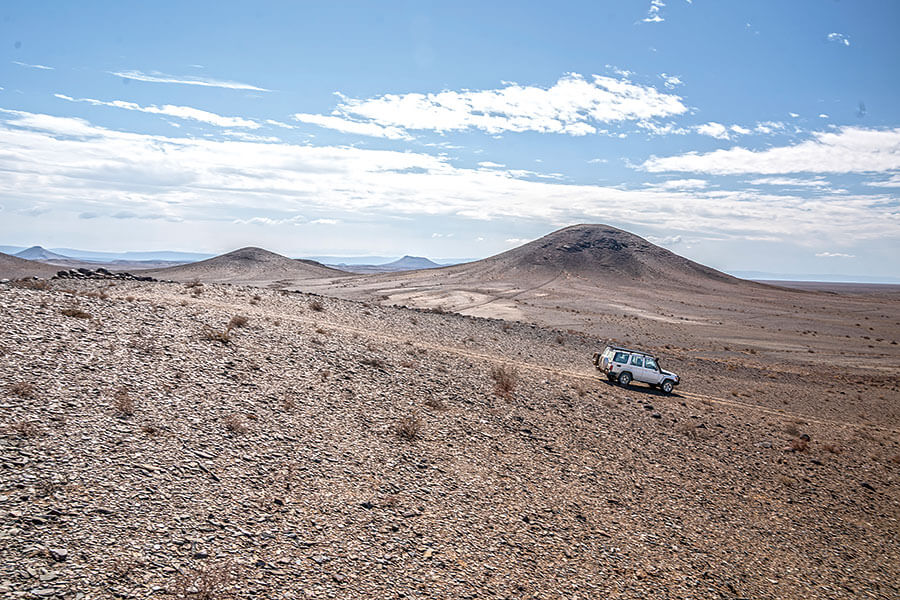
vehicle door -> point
(652, 371)
(636, 366)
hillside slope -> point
(13, 267)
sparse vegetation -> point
(792, 429)
(22, 389)
(123, 402)
(435, 403)
(238, 321)
(374, 361)
(410, 427)
(211, 582)
(32, 284)
(505, 380)
(74, 311)
(25, 429)
(832, 448)
(316, 305)
(235, 424)
(799, 445)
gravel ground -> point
(335, 449)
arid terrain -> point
(442, 433)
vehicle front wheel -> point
(667, 386)
(624, 378)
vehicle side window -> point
(621, 357)
(637, 361)
(651, 364)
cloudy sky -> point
(757, 135)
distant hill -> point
(407, 263)
(39, 253)
(13, 267)
(247, 266)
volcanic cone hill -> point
(13, 267)
(247, 265)
(601, 253)
(40, 253)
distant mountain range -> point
(91, 255)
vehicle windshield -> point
(650, 363)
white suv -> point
(624, 365)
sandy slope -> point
(13, 267)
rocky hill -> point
(13, 267)
(40, 253)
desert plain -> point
(254, 426)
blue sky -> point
(746, 135)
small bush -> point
(212, 582)
(798, 445)
(31, 284)
(410, 427)
(25, 429)
(238, 321)
(435, 403)
(74, 311)
(316, 305)
(833, 448)
(22, 389)
(193, 284)
(792, 430)
(123, 402)
(374, 361)
(150, 429)
(235, 424)
(505, 380)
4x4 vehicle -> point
(624, 365)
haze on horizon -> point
(746, 136)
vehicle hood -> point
(669, 373)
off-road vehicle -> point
(624, 365)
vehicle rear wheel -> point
(624, 378)
(667, 386)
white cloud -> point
(517, 241)
(793, 115)
(713, 129)
(767, 127)
(356, 127)
(653, 15)
(486, 164)
(892, 181)
(848, 150)
(573, 105)
(818, 182)
(838, 38)
(834, 255)
(671, 81)
(29, 66)
(180, 112)
(74, 167)
(325, 221)
(598, 161)
(823, 116)
(739, 130)
(157, 77)
(680, 184)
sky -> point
(757, 135)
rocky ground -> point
(324, 448)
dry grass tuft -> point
(435, 403)
(22, 389)
(193, 284)
(235, 424)
(798, 445)
(833, 448)
(374, 361)
(123, 402)
(211, 582)
(792, 429)
(505, 380)
(74, 311)
(31, 284)
(151, 429)
(316, 305)
(25, 429)
(238, 321)
(410, 427)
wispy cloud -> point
(345, 125)
(76, 167)
(834, 255)
(157, 77)
(892, 181)
(30, 66)
(818, 182)
(671, 81)
(653, 15)
(713, 129)
(180, 112)
(848, 150)
(574, 105)
(838, 38)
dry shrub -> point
(74, 311)
(792, 429)
(193, 284)
(287, 403)
(214, 335)
(689, 430)
(22, 389)
(374, 361)
(238, 321)
(316, 305)
(324, 374)
(25, 429)
(123, 402)
(235, 424)
(129, 298)
(197, 290)
(581, 389)
(150, 429)
(435, 403)
(833, 448)
(786, 481)
(321, 331)
(410, 427)
(31, 284)
(560, 340)
(798, 445)
(211, 582)
(505, 380)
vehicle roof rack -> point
(623, 349)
